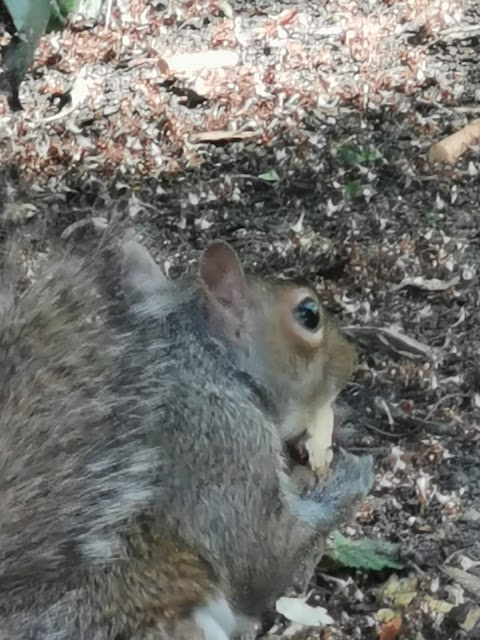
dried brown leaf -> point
(223, 136)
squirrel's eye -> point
(307, 313)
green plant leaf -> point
(352, 188)
(355, 155)
(59, 11)
(270, 176)
(348, 155)
(366, 554)
(433, 217)
(65, 6)
(30, 18)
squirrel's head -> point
(282, 334)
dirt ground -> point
(328, 110)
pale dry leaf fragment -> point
(438, 606)
(456, 593)
(467, 580)
(222, 135)
(399, 464)
(399, 592)
(425, 490)
(298, 226)
(188, 63)
(427, 284)
(88, 9)
(297, 610)
(451, 148)
(19, 211)
(385, 615)
(389, 339)
(225, 8)
(472, 619)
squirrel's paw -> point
(336, 500)
(353, 476)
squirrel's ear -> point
(140, 272)
(226, 288)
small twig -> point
(449, 396)
(64, 113)
(457, 33)
(108, 13)
(78, 96)
(442, 107)
(383, 404)
(380, 451)
(453, 555)
(248, 176)
(420, 572)
(387, 434)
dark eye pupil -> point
(308, 314)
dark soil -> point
(343, 99)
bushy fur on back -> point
(64, 428)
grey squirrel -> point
(144, 493)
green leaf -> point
(270, 176)
(348, 155)
(353, 155)
(352, 189)
(366, 554)
(30, 18)
(433, 217)
(65, 6)
(58, 13)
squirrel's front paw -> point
(354, 475)
(336, 500)
(349, 483)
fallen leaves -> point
(428, 284)
(270, 176)
(255, 69)
(369, 555)
(297, 610)
(471, 621)
(399, 592)
(194, 62)
(390, 624)
(390, 340)
(222, 136)
(437, 606)
(468, 581)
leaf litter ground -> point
(326, 111)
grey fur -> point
(124, 413)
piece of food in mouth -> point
(319, 440)
(310, 454)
